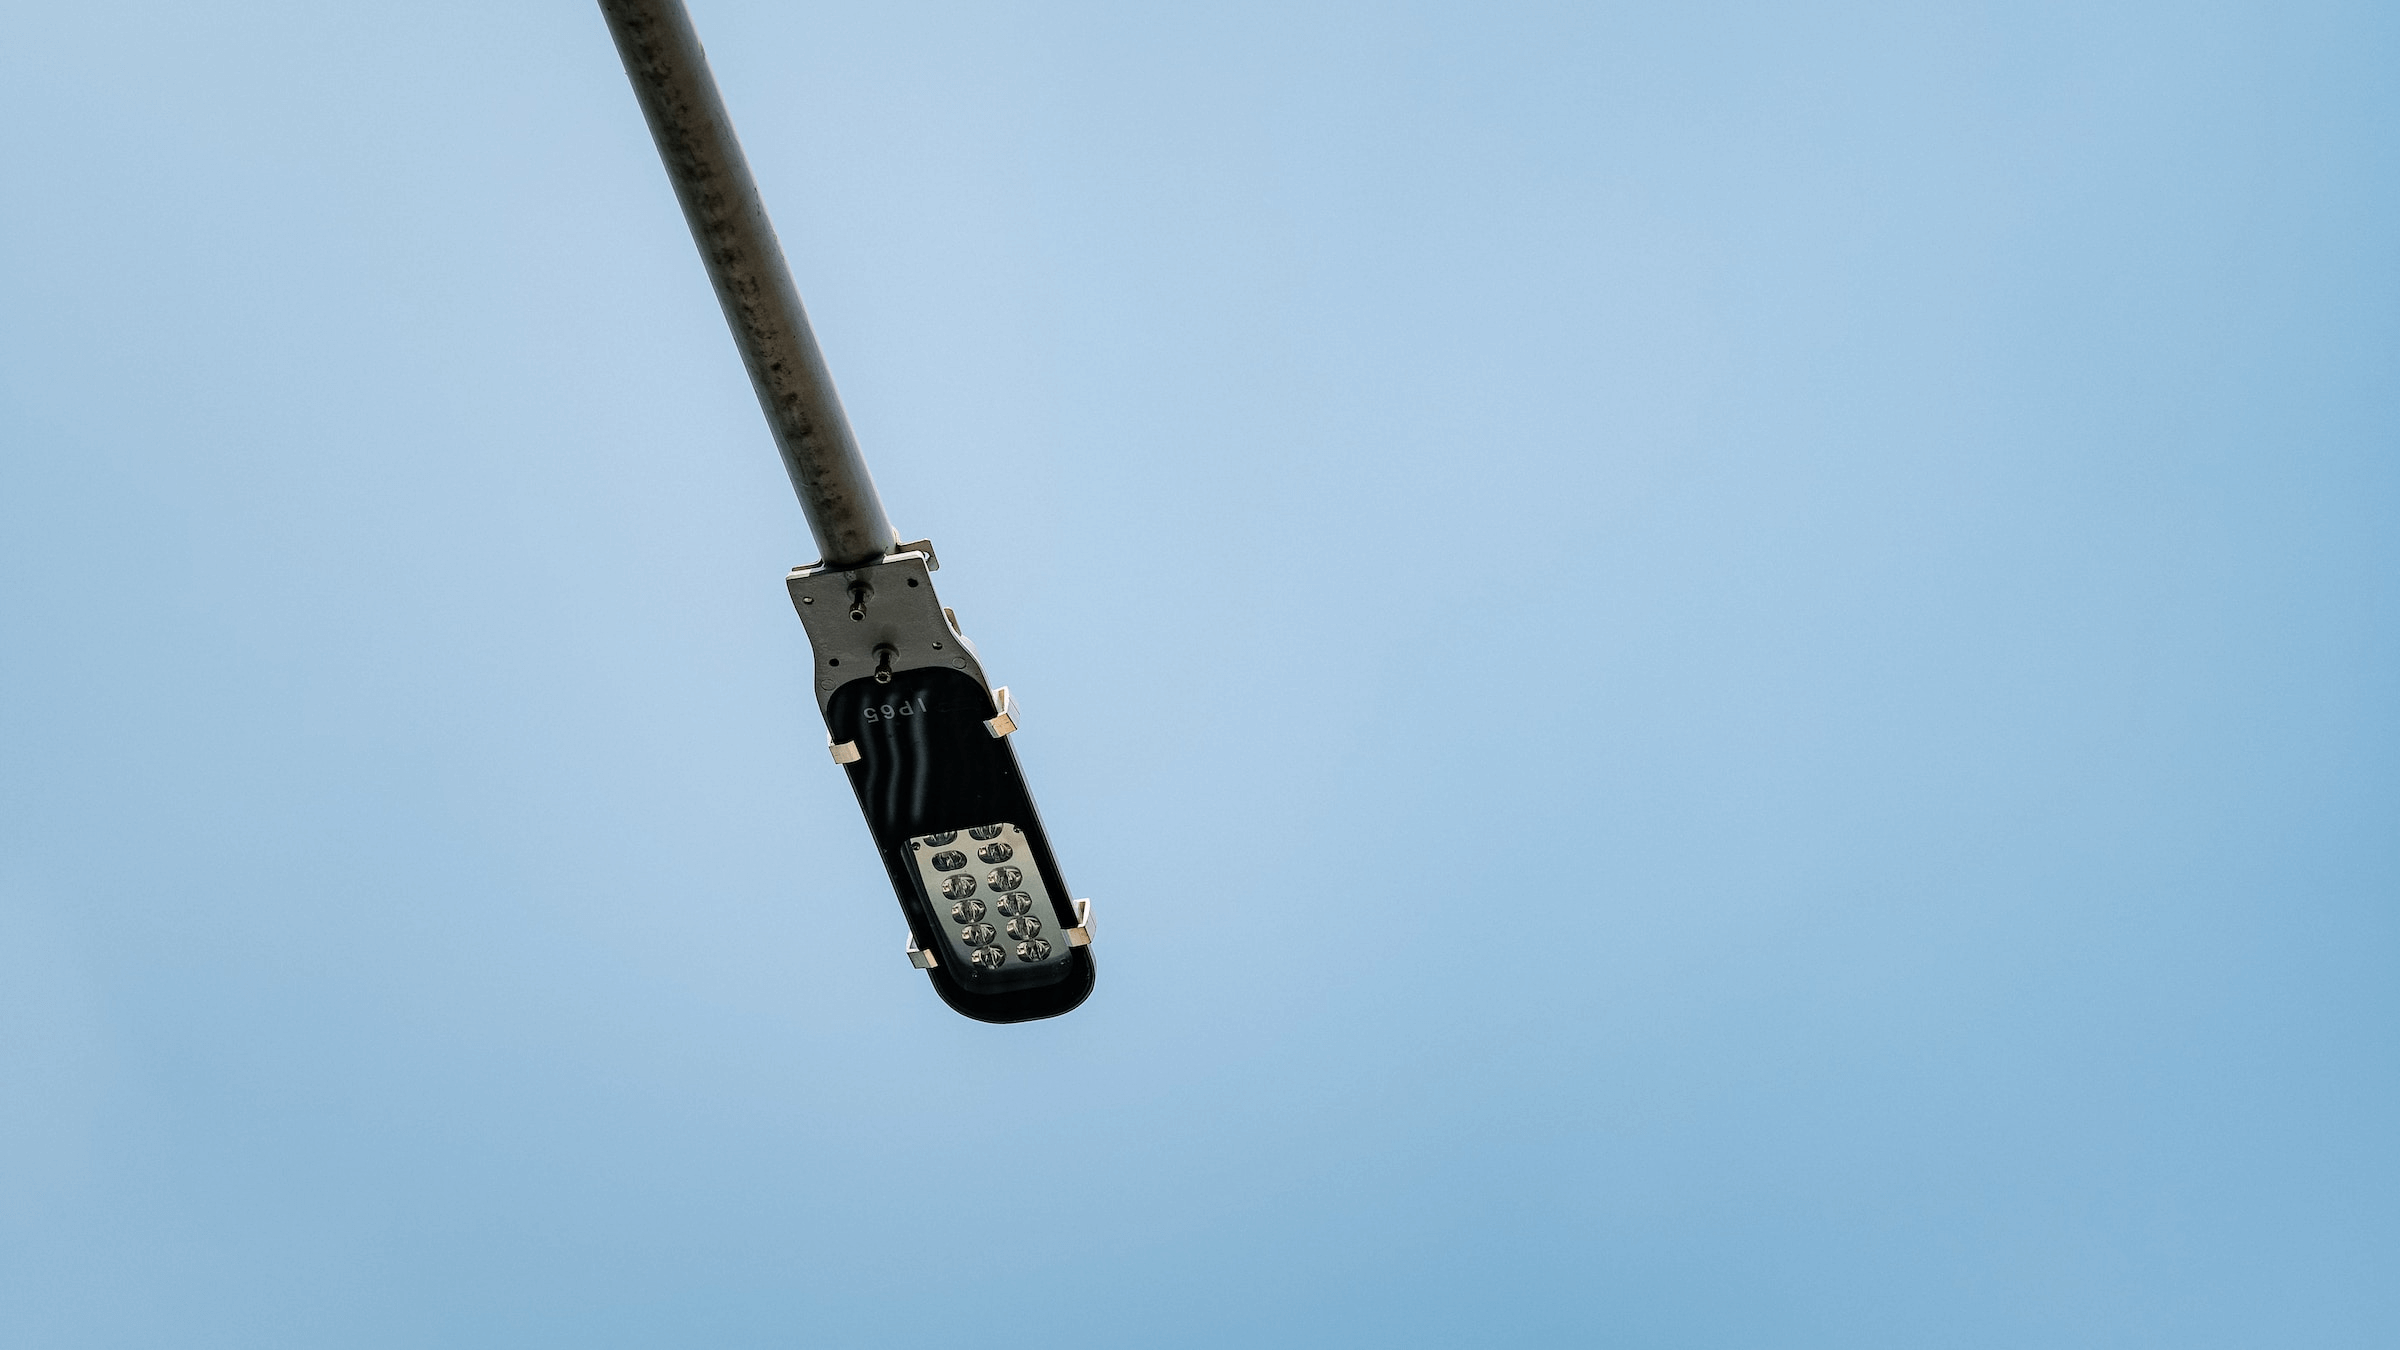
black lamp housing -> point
(926, 742)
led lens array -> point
(970, 899)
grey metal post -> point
(737, 243)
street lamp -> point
(909, 713)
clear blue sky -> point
(1725, 675)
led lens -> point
(1003, 920)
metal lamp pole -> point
(745, 263)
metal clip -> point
(1081, 934)
(919, 957)
(1006, 721)
(844, 752)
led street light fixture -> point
(909, 713)
(927, 743)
